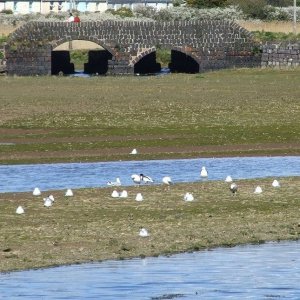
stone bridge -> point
(130, 46)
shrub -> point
(79, 55)
(290, 12)
(123, 12)
(7, 11)
(254, 9)
(3, 39)
(282, 3)
(144, 11)
(275, 14)
(163, 15)
(110, 11)
(266, 36)
(206, 3)
(1, 55)
(163, 56)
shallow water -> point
(19, 178)
(267, 271)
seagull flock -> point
(139, 179)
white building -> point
(46, 6)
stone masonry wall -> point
(213, 44)
(284, 55)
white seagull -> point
(233, 188)
(258, 190)
(167, 180)
(124, 194)
(114, 183)
(203, 172)
(143, 232)
(36, 192)
(139, 197)
(20, 210)
(115, 194)
(134, 151)
(188, 197)
(275, 183)
(47, 202)
(228, 179)
(69, 193)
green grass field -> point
(93, 226)
(230, 112)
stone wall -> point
(280, 55)
(2, 60)
(213, 44)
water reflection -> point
(17, 178)
(269, 271)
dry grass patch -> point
(94, 226)
(275, 26)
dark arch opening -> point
(81, 57)
(182, 63)
(147, 65)
(61, 63)
(173, 61)
(97, 62)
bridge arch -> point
(185, 62)
(212, 44)
(97, 59)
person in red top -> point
(76, 19)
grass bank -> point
(92, 226)
(230, 112)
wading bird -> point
(136, 178)
(203, 172)
(146, 179)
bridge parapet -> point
(212, 43)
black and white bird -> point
(136, 178)
(146, 179)
(233, 188)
